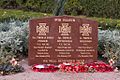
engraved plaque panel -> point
(60, 39)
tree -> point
(59, 10)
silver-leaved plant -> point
(13, 36)
(110, 40)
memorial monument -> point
(59, 39)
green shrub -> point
(45, 6)
(101, 8)
(73, 7)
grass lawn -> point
(20, 14)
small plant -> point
(9, 64)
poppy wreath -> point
(74, 67)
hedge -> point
(7, 15)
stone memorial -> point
(59, 39)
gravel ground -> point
(30, 75)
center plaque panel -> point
(62, 39)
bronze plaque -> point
(61, 39)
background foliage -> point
(96, 8)
(101, 8)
